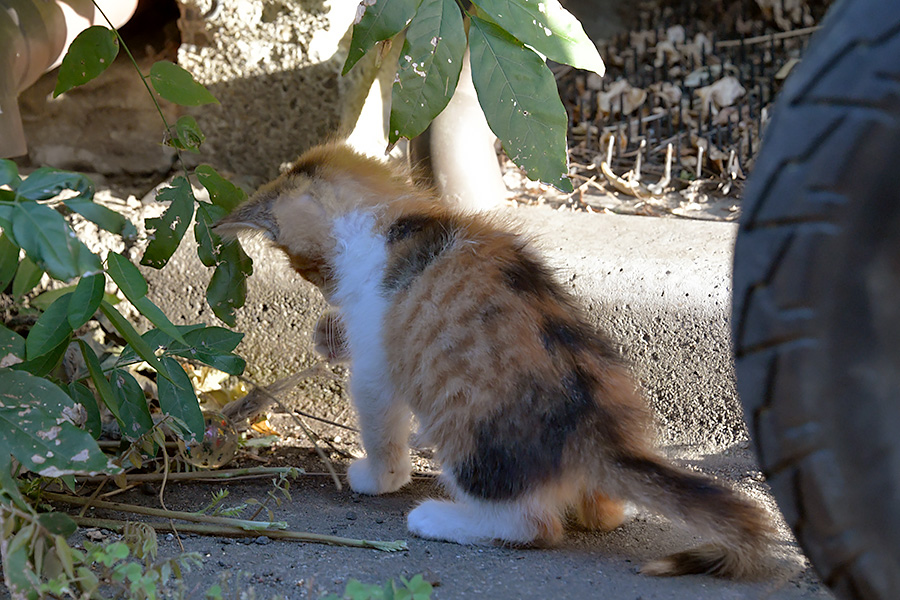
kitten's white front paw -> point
(368, 477)
(443, 520)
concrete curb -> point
(662, 288)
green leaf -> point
(181, 402)
(86, 299)
(227, 289)
(51, 329)
(429, 68)
(105, 218)
(381, 21)
(133, 414)
(7, 203)
(127, 276)
(548, 28)
(127, 331)
(12, 346)
(158, 341)
(9, 489)
(208, 241)
(85, 397)
(178, 86)
(27, 276)
(101, 384)
(209, 345)
(49, 241)
(221, 191)
(9, 173)
(89, 54)
(520, 100)
(213, 346)
(9, 260)
(132, 283)
(43, 364)
(43, 300)
(34, 428)
(168, 229)
(57, 523)
(45, 183)
(186, 135)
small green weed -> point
(408, 589)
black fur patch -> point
(528, 276)
(416, 241)
(569, 335)
(516, 452)
(573, 336)
(489, 313)
(305, 167)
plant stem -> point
(225, 531)
(243, 524)
(146, 85)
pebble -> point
(351, 516)
(262, 540)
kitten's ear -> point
(254, 216)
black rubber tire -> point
(816, 312)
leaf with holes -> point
(221, 191)
(208, 241)
(82, 394)
(520, 100)
(35, 428)
(167, 230)
(548, 28)
(12, 347)
(178, 86)
(227, 289)
(429, 67)
(382, 20)
(186, 135)
(89, 54)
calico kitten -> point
(533, 414)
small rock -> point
(262, 540)
(379, 520)
(226, 541)
(351, 516)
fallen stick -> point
(230, 474)
(278, 534)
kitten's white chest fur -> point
(359, 265)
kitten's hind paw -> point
(482, 523)
(373, 478)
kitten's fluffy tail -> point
(739, 531)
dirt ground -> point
(586, 565)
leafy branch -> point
(508, 42)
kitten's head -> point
(296, 210)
